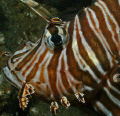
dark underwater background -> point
(17, 21)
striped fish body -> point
(85, 64)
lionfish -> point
(76, 60)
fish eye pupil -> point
(56, 39)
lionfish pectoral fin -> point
(115, 75)
(80, 97)
(25, 94)
(65, 102)
(53, 107)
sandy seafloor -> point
(16, 21)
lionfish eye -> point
(56, 37)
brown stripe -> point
(106, 101)
(42, 77)
(113, 92)
(33, 62)
(18, 55)
(64, 77)
(37, 87)
(40, 88)
(33, 72)
(105, 31)
(17, 76)
(42, 72)
(84, 53)
(28, 57)
(116, 35)
(73, 67)
(95, 45)
(48, 91)
(52, 73)
(114, 9)
(60, 87)
(14, 73)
